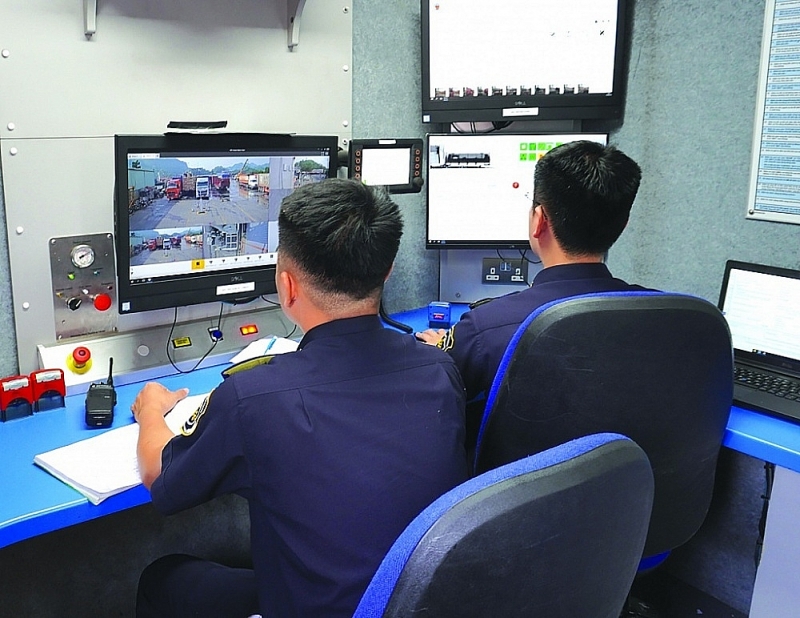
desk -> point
(33, 502)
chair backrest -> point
(653, 366)
(559, 533)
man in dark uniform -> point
(337, 446)
(583, 193)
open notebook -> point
(105, 465)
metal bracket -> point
(89, 17)
(295, 9)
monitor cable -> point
(213, 344)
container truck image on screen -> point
(203, 188)
(173, 189)
(440, 158)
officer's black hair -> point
(342, 233)
(587, 191)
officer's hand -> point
(431, 336)
(156, 399)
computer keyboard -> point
(779, 386)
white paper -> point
(265, 346)
(106, 465)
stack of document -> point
(106, 465)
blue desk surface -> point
(33, 502)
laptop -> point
(762, 307)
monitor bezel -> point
(358, 148)
(511, 108)
(196, 288)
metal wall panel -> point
(63, 96)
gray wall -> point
(689, 120)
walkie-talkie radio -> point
(100, 400)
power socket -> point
(497, 271)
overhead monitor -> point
(393, 163)
(505, 60)
(196, 215)
(480, 187)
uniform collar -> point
(345, 326)
(583, 270)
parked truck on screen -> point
(203, 188)
(221, 182)
(174, 189)
(188, 185)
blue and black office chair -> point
(653, 366)
(557, 534)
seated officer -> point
(336, 447)
(583, 193)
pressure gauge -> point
(82, 256)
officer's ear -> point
(286, 282)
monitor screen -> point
(480, 187)
(196, 216)
(495, 60)
(393, 163)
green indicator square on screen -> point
(523, 146)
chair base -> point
(637, 608)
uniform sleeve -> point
(206, 459)
(464, 343)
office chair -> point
(557, 534)
(653, 366)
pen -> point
(270, 344)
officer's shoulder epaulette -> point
(246, 364)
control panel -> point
(156, 351)
(83, 283)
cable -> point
(496, 126)
(769, 469)
(398, 325)
(213, 345)
(522, 255)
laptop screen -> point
(761, 305)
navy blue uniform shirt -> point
(478, 341)
(337, 447)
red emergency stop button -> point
(81, 356)
(102, 302)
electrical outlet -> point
(497, 271)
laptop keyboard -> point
(767, 382)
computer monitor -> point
(480, 187)
(505, 60)
(393, 163)
(196, 215)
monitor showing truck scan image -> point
(480, 187)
